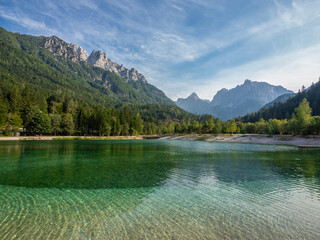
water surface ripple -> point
(158, 189)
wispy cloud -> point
(25, 21)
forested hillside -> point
(284, 110)
(29, 62)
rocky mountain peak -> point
(193, 104)
(56, 46)
(97, 58)
(193, 96)
(60, 48)
(247, 81)
(83, 54)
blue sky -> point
(183, 46)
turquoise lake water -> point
(158, 189)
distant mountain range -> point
(239, 101)
(50, 65)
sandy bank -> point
(301, 141)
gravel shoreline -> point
(309, 141)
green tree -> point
(250, 127)
(107, 130)
(261, 126)
(314, 127)
(150, 128)
(211, 124)
(116, 126)
(184, 127)
(55, 107)
(177, 128)
(170, 127)
(125, 129)
(303, 114)
(104, 127)
(137, 125)
(205, 127)
(218, 126)
(277, 126)
(292, 126)
(241, 127)
(14, 122)
(14, 98)
(3, 113)
(83, 115)
(55, 123)
(67, 124)
(69, 106)
(231, 126)
(37, 121)
(195, 127)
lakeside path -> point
(309, 141)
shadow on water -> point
(84, 164)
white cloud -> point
(174, 45)
(291, 70)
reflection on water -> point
(73, 164)
(158, 190)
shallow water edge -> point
(308, 141)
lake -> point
(158, 189)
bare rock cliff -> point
(97, 58)
(100, 59)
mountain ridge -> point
(238, 101)
(97, 58)
(192, 103)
